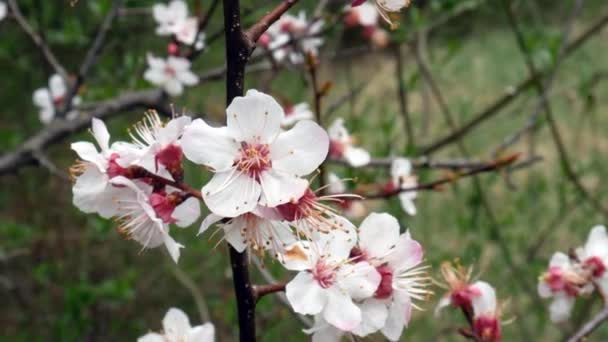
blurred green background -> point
(68, 276)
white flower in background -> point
(251, 230)
(397, 259)
(402, 178)
(364, 15)
(92, 191)
(253, 159)
(327, 283)
(177, 328)
(168, 16)
(351, 208)
(291, 37)
(295, 113)
(342, 145)
(171, 74)
(486, 314)
(159, 143)
(563, 282)
(386, 8)
(52, 98)
(594, 257)
(145, 215)
(3, 10)
(460, 292)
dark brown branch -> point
(502, 102)
(438, 184)
(590, 326)
(402, 95)
(37, 39)
(255, 31)
(262, 290)
(60, 129)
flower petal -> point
(88, 152)
(208, 221)
(57, 86)
(151, 337)
(485, 303)
(399, 313)
(279, 187)
(187, 212)
(176, 323)
(378, 234)
(100, 132)
(172, 246)
(300, 150)
(597, 242)
(231, 193)
(356, 156)
(373, 317)
(305, 295)
(407, 253)
(254, 118)
(42, 98)
(202, 333)
(340, 311)
(359, 280)
(560, 308)
(209, 146)
(233, 233)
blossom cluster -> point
(177, 328)
(355, 281)
(575, 275)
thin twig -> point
(194, 290)
(590, 326)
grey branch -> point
(590, 326)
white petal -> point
(305, 295)
(443, 303)
(254, 118)
(398, 317)
(88, 187)
(279, 187)
(46, 115)
(231, 193)
(559, 259)
(233, 235)
(88, 152)
(373, 317)
(212, 147)
(407, 204)
(407, 253)
(340, 311)
(544, 291)
(485, 303)
(187, 212)
(172, 247)
(359, 280)
(151, 337)
(57, 86)
(201, 333)
(560, 308)
(176, 323)
(602, 284)
(378, 234)
(100, 132)
(3, 10)
(393, 5)
(187, 77)
(178, 63)
(300, 150)
(400, 167)
(155, 76)
(173, 87)
(337, 245)
(597, 242)
(356, 156)
(42, 98)
(208, 222)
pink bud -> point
(163, 207)
(487, 328)
(173, 49)
(264, 40)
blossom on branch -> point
(388, 9)
(171, 74)
(173, 20)
(177, 328)
(296, 113)
(291, 38)
(486, 313)
(351, 208)
(342, 145)
(402, 178)
(365, 17)
(253, 160)
(594, 257)
(52, 99)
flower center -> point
(461, 298)
(293, 211)
(324, 274)
(558, 280)
(385, 289)
(113, 168)
(596, 266)
(169, 71)
(254, 159)
(163, 206)
(170, 157)
(487, 328)
(357, 254)
(58, 101)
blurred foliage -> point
(69, 276)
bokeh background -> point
(68, 276)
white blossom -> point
(295, 113)
(253, 160)
(402, 178)
(3, 10)
(168, 16)
(594, 257)
(171, 74)
(177, 328)
(291, 37)
(343, 145)
(48, 100)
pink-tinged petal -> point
(300, 150)
(407, 204)
(279, 187)
(100, 132)
(373, 317)
(151, 337)
(209, 146)
(485, 302)
(305, 295)
(399, 314)
(187, 212)
(340, 311)
(176, 323)
(560, 308)
(88, 152)
(597, 242)
(360, 280)
(202, 333)
(208, 222)
(172, 246)
(42, 98)
(231, 193)
(57, 86)
(378, 234)
(233, 234)
(407, 253)
(356, 156)
(254, 118)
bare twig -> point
(402, 95)
(194, 290)
(37, 39)
(255, 31)
(590, 326)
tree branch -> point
(590, 326)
